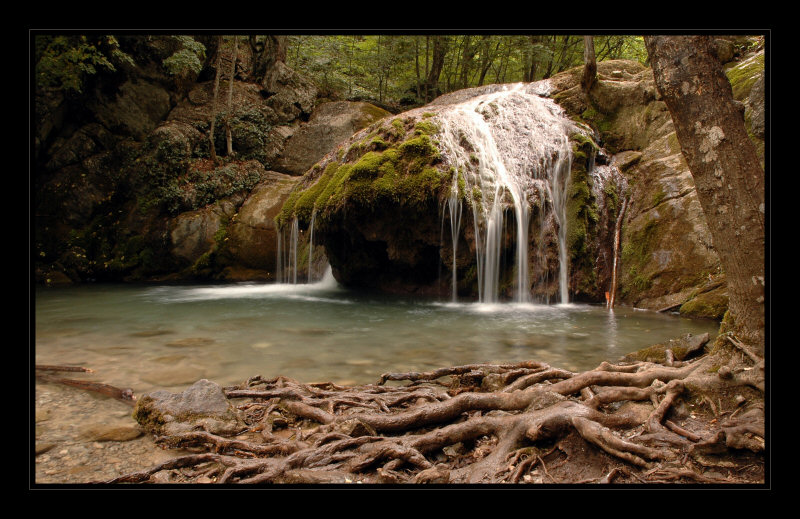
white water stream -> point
(511, 149)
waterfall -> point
(293, 250)
(311, 245)
(279, 259)
(454, 206)
(513, 149)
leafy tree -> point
(188, 59)
(67, 61)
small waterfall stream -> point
(511, 148)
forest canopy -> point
(391, 69)
(413, 69)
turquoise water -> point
(150, 337)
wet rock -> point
(203, 405)
(252, 235)
(43, 447)
(116, 433)
(176, 376)
(191, 342)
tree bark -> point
(724, 165)
(228, 137)
(589, 64)
(212, 147)
(437, 63)
(266, 52)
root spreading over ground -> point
(695, 420)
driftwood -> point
(486, 423)
(123, 395)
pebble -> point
(65, 456)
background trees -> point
(414, 69)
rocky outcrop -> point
(331, 124)
(252, 237)
(667, 259)
(127, 191)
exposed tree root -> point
(482, 423)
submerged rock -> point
(116, 433)
(203, 405)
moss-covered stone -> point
(744, 74)
(710, 305)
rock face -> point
(331, 124)
(202, 405)
(252, 233)
(125, 188)
(667, 259)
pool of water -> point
(150, 337)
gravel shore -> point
(81, 437)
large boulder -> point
(252, 234)
(201, 406)
(134, 110)
(330, 124)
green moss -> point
(711, 305)
(378, 144)
(477, 195)
(743, 76)
(658, 197)
(582, 213)
(596, 119)
(462, 184)
(398, 129)
(426, 128)
(419, 146)
(368, 165)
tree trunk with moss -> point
(730, 181)
(589, 64)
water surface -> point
(154, 337)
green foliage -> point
(65, 62)
(395, 67)
(188, 59)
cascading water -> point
(286, 265)
(454, 207)
(512, 149)
(311, 246)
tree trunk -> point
(437, 63)
(266, 52)
(228, 137)
(589, 64)
(212, 147)
(724, 165)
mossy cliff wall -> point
(125, 189)
(667, 259)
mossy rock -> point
(744, 74)
(682, 348)
(710, 305)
